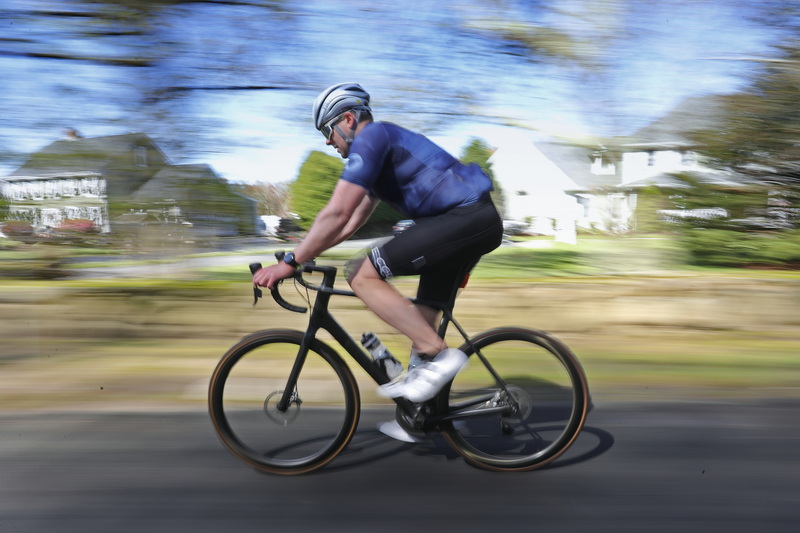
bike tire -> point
(549, 399)
(243, 395)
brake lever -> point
(257, 292)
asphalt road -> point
(727, 466)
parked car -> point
(401, 226)
(514, 227)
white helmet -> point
(337, 99)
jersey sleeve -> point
(367, 156)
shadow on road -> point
(371, 446)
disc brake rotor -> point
(523, 401)
(283, 418)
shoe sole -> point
(394, 430)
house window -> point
(632, 201)
(617, 201)
(18, 192)
(601, 168)
(651, 158)
(585, 203)
(140, 156)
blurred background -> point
(645, 159)
(149, 149)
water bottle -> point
(382, 357)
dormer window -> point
(601, 168)
(140, 156)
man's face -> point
(339, 128)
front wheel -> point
(244, 396)
(518, 405)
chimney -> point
(71, 134)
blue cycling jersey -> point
(410, 172)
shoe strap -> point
(425, 372)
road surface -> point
(731, 466)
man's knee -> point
(358, 270)
(352, 267)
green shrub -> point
(727, 248)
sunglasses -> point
(327, 128)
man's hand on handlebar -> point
(269, 276)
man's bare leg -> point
(430, 314)
(396, 310)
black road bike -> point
(285, 402)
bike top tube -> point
(325, 287)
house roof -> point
(83, 155)
(174, 182)
(576, 162)
(672, 130)
(522, 166)
(190, 182)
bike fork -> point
(290, 393)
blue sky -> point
(680, 49)
(415, 58)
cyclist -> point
(455, 224)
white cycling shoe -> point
(394, 430)
(426, 379)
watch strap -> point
(289, 259)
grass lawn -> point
(152, 342)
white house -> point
(98, 178)
(47, 200)
(555, 186)
(535, 190)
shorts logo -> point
(380, 264)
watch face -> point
(288, 258)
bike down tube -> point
(329, 324)
(320, 318)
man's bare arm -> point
(347, 210)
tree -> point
(273, 199)
(759, 135)
(4, 203)
(313, 187)
(477, 151)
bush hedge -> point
(727, 248)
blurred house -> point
(123, 181)
(556, 187)
(536, 184)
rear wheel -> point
(247, 386)
(519, 404)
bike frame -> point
(321, 318)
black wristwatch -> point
(288, 258)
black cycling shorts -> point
(441, 249)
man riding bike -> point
(455, 224)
